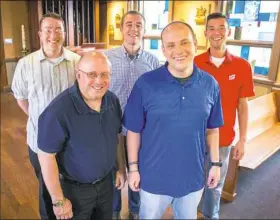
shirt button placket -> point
(131, 68)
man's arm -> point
(212, 137)
(133, 145)
(23, 104)
(242, 111)
(121, 173)
(50, 174)
(243, 118)
(120, 154)
(213, 145)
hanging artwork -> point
(118, 20)
(251, 10)
(200, 17)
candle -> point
(23, 37)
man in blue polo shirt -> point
(78, 138)
(171, 114)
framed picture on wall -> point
(199, 28)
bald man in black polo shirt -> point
(78, 135)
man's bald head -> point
(179, 48)
(93, 75)
(91, 58)
(176, 24)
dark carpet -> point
(258, 193)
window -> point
(253, 34)
(157, 17)
(258, 57)
(252, 20)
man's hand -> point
(134, 180)
(65, 211)
(238, 150)
(120, 179)
(214, 177)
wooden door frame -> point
(4, 78)
(35, 13)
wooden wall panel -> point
(34, 16)
(4, 81)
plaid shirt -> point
(125, 71)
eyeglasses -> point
(94, 75)
(50, 30)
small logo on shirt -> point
(231, 77)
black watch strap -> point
(217, 164)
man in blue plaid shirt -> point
(129, 62)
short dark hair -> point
(51, 15)
(132, 13)
(216, 15)
(179, 22)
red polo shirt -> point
(236, 81)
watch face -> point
(58, 203)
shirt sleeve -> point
(51, 135)
(19, 83)
(247, 86)
(133, 118)
(215, 119)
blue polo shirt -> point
(85, 140)
(172, 119)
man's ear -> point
(78, 75)
(162, 48)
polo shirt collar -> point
(194, 77)
(125, 54)
(207, 57)
(65, 54)
(81, 105)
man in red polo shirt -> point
(234, 76)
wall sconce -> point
(118, 20)
(200, 17)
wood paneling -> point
(275, 53)
(229, 190)
(4, 80)
(19, 186)
(34, 16)
(263, 139)
(97, 21)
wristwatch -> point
(59, 203)
(217, 164)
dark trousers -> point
(90, 201)
(45, 202)
(133, 197)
